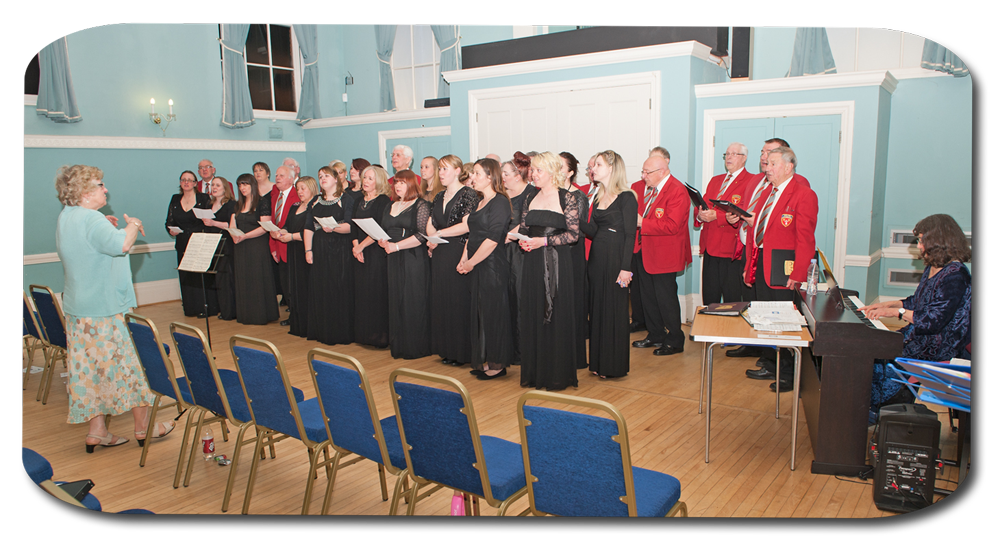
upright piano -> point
(836, 389)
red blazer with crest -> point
(666, 239)
(792, 226)
(279, 250)
(719, 238)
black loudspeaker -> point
(906, 450)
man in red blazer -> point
(666, 250)
(721, 275)
(283, 197)
(634, 290)
(784, 220)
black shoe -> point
(645, 344)
(285, 322)
(786, 385)
(760, 373)
(448, 361)
(744, 351)
(637, 327)
(667, 350)
(477, 373)
(484, 377)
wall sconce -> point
(161, 120)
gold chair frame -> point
(471, 499)
(30, 343)
(621, 438)
(54, 353)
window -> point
(416, 66)
(272, 57)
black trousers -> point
(283, 281)
(661, 308)
(766, 293)
(635, 292)
(721, 279)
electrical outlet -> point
(345, 97)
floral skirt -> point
(105, 376)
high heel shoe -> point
(105, 441)
(168, 426)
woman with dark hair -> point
(181, 223)
(358, 166)
(405, 221)
(551, 220)
(262, 174)
(484, 257)
(611, 226)
(938, 314)
(223, 206)
(578, 251)
(256, 297)
(450, 291)
(330, 310)
(515, 181)
(371, 287)
(298, 268)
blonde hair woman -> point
(298, 268)
(611, 226)
(371, 303)
(551, 221)
(431, 180)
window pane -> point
(257, 44)
(259, 79)
(423, 44)
(426, 84)
(31, 76)
(281, 46)
(401, 50)
(402, 80)
(284, 91)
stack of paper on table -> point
(774, 316)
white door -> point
(582, 119)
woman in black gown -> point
(405, 221)
(298, 269)
(578, 250)
(256, 297)
(371, 285)
(330, 311)
(515, 176)
(450, 292)
(611, 226)
(224, 206)
(358, 166)
(485, 261)
(181, 223)
(551, 218)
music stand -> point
(202, 256)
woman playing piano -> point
(938, 314)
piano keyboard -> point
(853, 303)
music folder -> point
(696, 198)
(782, 262)
(729, 207)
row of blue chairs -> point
(40, 471)
(568, 463)
(45, 329)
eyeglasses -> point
(99, 185)
(727, 154)
(645, 172)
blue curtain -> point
(385, 38)
(309, 97)
(937, 57)
(237, 110)
(811, 53)
(447, 40)
(56, 99)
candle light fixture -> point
(159, 119)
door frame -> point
(416, 132)
(606, 82)
(845, 109)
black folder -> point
(696, 197)
(729, 207)
(782, 262)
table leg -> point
(777, 381)
(701, 393)
(708, 398)
(795, 402)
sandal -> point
(106, 441)
(166, 426)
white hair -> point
(295, 164)
(407, 151)
(743, 148)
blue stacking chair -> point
(159, 372)
(40, 471)
(275, 411)
(32, 338)
(54, 331)
(581, 465)
(442, 444)
(345, 399)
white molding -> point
(150, 292)
(381, 117)
(645, 53)
(31, 100)
(855, 260)
(845, 109)
(274, 115)
(902, 253)
(52, 257)
(416, 132)
(160, 143)
(638, 78)
(881, 78)
(916, 72)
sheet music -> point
(236, 231)
(326, 221)
(200, 252)
(517, 235)
(371, 227)
(268, 225)
(174, 230)
(437, 240)
(204, 213)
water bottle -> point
(812, 278)
(208, 445)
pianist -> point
(938, 314)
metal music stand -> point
(202, 256)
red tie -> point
(281, 201)
(725, 184)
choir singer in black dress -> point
(371, 285)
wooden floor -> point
(748, 476)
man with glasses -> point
(634, 291)
(664, 250)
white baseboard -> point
(147, 293)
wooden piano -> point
(836, 391)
